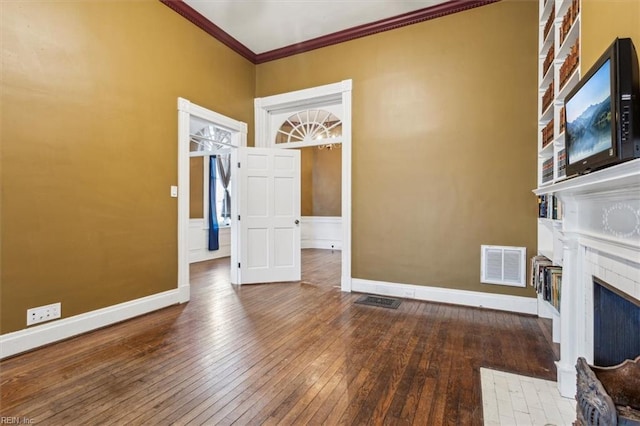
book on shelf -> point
(570, 63)
(549, 207)
(542, 206)
(568, 19)
(548, 61)
(546, 279)
(547, 97)
(549, 24)
(562, 163)
(547, 134)
(547, 170)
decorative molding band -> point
(417, 16)
(210, 28)
(410, 18)
(502, 302)
(51, 332)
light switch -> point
(174, 191)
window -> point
(215, 140)
(310, 126)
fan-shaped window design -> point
(308, 126)
(210, 138)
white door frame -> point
(238, 129)
(308, 98)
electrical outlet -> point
(43, 313)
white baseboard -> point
(502, 302)
(40, 335)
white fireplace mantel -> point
(600, 238)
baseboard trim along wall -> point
(54, 331)
(502, 302)
(40, 335)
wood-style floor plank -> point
(277, 354)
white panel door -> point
(269, 210)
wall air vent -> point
(503, 265)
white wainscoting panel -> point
(198, 241)
(323, 232)
(502, 302)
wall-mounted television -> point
(602, 112)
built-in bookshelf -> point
(558, 73)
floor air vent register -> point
(382, 302)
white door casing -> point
(337, 95)
(187, 112)
(268, 196)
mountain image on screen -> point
(590, 132)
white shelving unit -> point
(559, 50)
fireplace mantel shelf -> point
(625, 175)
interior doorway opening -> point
(312, 118)
(201, 133)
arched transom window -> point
(210, 138)
(310, 126)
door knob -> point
(297, 221)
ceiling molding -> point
(387, 24)
(210, 28)
(421, 15)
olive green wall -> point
(327, 182)
(444, 141)
(89, 129)
(604, 20)
(321, 181)
(306, 181)
(444, 135)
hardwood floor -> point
(292, 353)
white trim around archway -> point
(337, 93)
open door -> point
(268, 212)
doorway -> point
(270, 114)
(190, 116)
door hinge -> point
(238, 217)
(238, 265)
(238, 164)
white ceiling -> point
(265, 25)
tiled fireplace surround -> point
(600, 237)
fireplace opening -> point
(616, 327)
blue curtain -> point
(214, 243)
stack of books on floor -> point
(546, 279)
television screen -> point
(588, 115)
